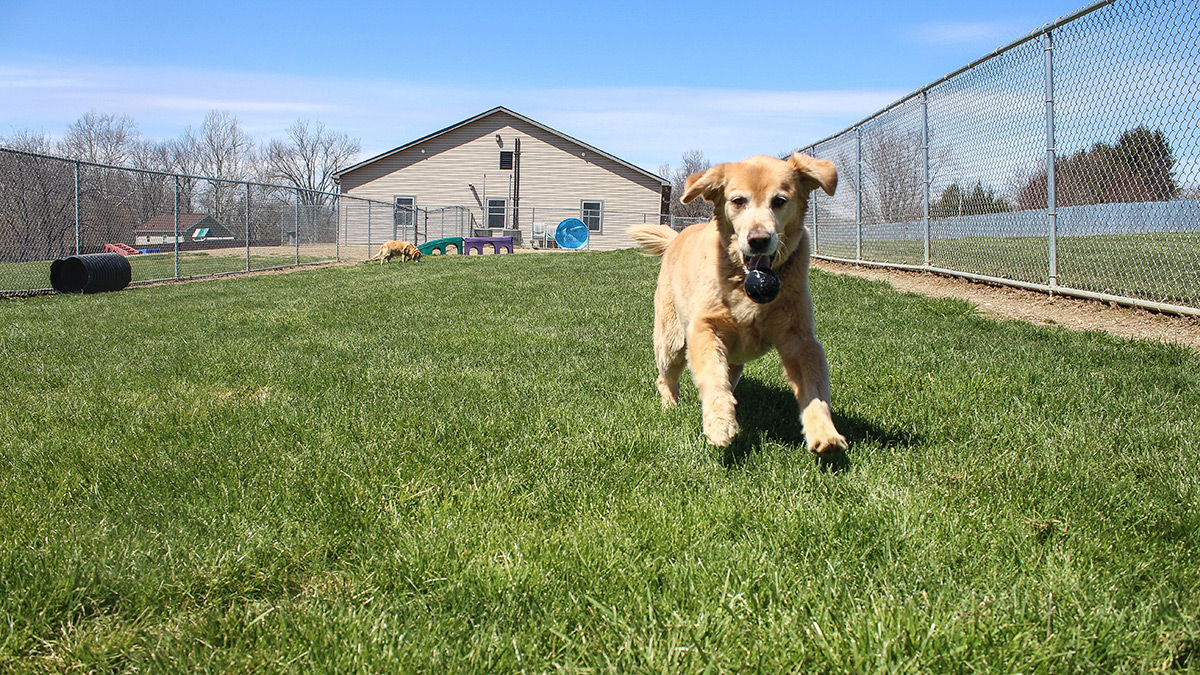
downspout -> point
(516, 225)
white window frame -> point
(596, 214)
(496, 208)
(410, 209)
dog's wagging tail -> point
(704, 318)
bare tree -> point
(223, 150)
(693, 161)
(107, 195)
(150, 155)
(101, 138)
(892, 174)
(27, 141)
(37, 202)
(184, 159)
(153, 189)
(224, 153)
(309, 158)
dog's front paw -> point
(720, 429)
(830, 443)
(823, 438)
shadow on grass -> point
(770, 414)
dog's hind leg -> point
(670, 367)
(669, 354)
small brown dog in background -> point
(396, 249)
(703, 316)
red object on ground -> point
(123, 249)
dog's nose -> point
(758, 241)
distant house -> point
(196, 230)
(501, 173)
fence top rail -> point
(1061, 21)
(168, 174)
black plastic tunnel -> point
(92, 273)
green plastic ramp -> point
(440, 245)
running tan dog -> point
(703, 315)
(396, 249)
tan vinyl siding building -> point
(455, 175)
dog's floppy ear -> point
(815, 172)
(707, 184)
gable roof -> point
(499, 109)
(166, 222)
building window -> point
(404, 215)
(495, 213)
(590, 213)
(506, 159)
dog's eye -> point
(739, 201)
(778, 202)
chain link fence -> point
(366, 223)
(1068, 162)
(172, 226)
(176, 226)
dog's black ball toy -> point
(762, 286)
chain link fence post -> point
(816, 223)
(925, 179)
(76, 208)
(858, 188)
(296, 232)
(175, 213)
(1051, 197)
(247, 227)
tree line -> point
(307, 158)
(1139, 167)
(40, 217)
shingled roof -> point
(166, 222)
(489, 113)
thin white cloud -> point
(955, 33)
(12, 78)
(203, 104)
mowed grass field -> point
(461, 466)
(1159, 267)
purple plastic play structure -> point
(477, 244)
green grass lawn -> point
(1160, 267)
(461, 465)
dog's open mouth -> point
(757, 262)
(761, 283)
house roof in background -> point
(166, 222)
(489, 113)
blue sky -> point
(645, 81)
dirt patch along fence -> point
(1066, 162)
